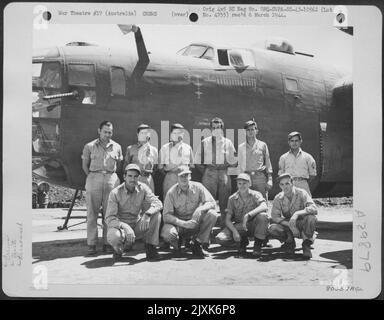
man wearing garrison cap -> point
(189, 211)
(246, 217)
(299, 164)
(133, 212)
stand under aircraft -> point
(78, 85)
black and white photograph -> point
(196, 157)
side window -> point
(82, 76)
(291, 84)
(223, 57)
(117, 81)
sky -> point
(328, 44)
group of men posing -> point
(132, 211)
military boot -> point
(151, 252)
(257, 248)
(307, 249)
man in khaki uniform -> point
(188, 211)
(246, 217)
(293, 215)
(133, 213)
(144, 155)
(101, 159)
(215, 154)
(173, 155)
(255, 161)
(299, 164)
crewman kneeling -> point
(294, 216)
(188, 212)
(133, 212)
(246, 217)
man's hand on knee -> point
(129, 233)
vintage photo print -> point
(194, 151)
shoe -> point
(243, 246)
(151, 252)
(266, 244)
(197, 250)
(289, 247)
(91, 250)
(257, 248)
(307, 249)
(117, 256)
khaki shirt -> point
(218, 153)
(125, 206)
(283, 208)
(173, 156)
(182, 204)
(238, 207)
(302, 165)
(254, 157)
(144, 155)
(102, 159)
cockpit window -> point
(46, 75)
(197, 51)
(209, 54)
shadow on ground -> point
(343, 257)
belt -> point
(103, 171)
(299, 179)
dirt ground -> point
(63, 253)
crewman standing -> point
(144, 155)
(299, 164)
(216, 153)
(294, 216)
(174, 154)
(255, 161)
(101, 159)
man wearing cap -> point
(144, 155)
(188, 211)
(254, 160)
(174, 154)
(101, 159)
(293, 215)
(133, 212)
(215, 154)
(298, 163)
(246, 217)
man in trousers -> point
(246, 217)
(133, 213)
(189, 211)
(293, 216)
(101, 159)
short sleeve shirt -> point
(302, 165)
(173, 156)
(238, 206)
(283, 208)
(254, 157)
(145, 156)
(183, 204)
(102, 158)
